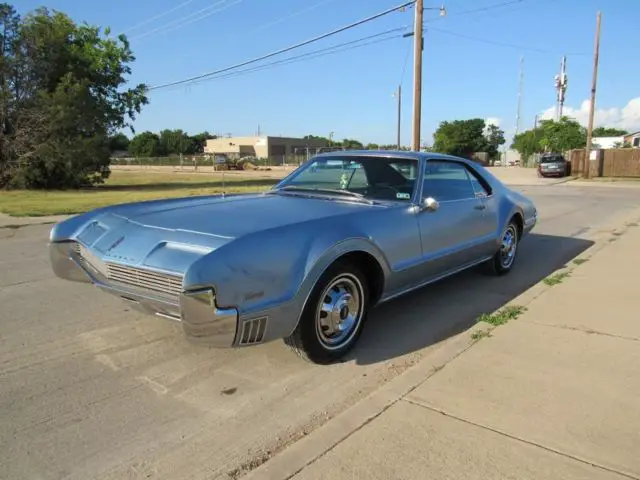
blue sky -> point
(468, 72)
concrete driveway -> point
(93, 390)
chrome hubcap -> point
(508, 247)
(339, 311)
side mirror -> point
(430, 204)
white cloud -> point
(627, 117)
(492, 121)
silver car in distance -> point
(306, 260)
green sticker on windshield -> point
(403, 196)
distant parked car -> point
(553, 165)
(306, 260)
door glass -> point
(447, 181)
(478, 188)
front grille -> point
(136, 277)
(145, 279)
(253, 331)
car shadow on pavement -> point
(443, 309)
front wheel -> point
(503, 260)
(333, 317)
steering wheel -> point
(377, 186)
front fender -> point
(69, 228)
(272, 273)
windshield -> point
(374, 178)
(552, 159)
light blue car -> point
(306, 260)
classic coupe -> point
(306, 260)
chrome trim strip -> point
(433, 280)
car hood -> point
(169, 235)
(237, 215)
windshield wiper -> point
(327, 190)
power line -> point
(291, 15)
(406, 61)
(486, 8)
(503, 44)
(283, 50)
(156, 17)
(310, 55)
(195, 16)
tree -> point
(200, 141)
(146, 144)
(61, 99)
(551, 136)
(460, 137)
(174, 142)
(527, 143)
(494, 137)
(118, 142)
(560, 136)
(351, 144)
(608, 132)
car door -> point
(452, 228)
(487, 235)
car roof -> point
(391, 154)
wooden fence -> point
(613, 162)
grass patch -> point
(480, 334)
(580, 261)
(510, 312)
(556, 279)
(124, 187)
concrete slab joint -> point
(420, 384)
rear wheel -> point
(503, 260)
(333, 317)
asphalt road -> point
(89, 389)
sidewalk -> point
(523, 176)
(7, 221)
(552, 394)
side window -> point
(447, 181)
(478, 188)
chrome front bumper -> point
(202, 320)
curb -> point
(297, 456)
(564, 180)
(8, 221)
(304, 452)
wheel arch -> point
(518, 217)
(372, 265)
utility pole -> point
(592, 106)
(418, 45)
(399, 112)
(561, 87)
(520, 82)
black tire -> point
(498, 265)
(310, 340)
